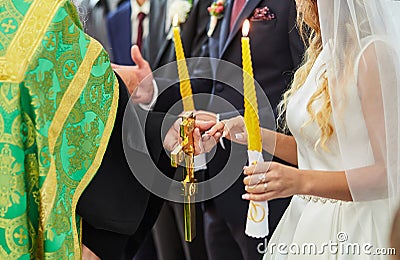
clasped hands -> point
(264, 181)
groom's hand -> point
(202, 144)
(172, 138)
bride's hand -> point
(234, 129)
(271, 180)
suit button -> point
(219, 88)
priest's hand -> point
(138, 79)
(233, 129)
(128, 76)
(87, 254)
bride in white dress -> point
(343, 113)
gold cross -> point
(185, 152)
(70, 69)
(8, 26)
(20, 236)
(49, 39)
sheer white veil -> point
(361, 41)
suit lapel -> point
(247, 10)
(225, 26)
(161, 52)
(156, 32)
(167, 42)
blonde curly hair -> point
(309, 28)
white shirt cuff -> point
(150, 106)
(200, 162)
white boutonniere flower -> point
(216, 10)
(177, 7)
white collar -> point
(145, 8)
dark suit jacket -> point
(277, 51)
(119, 34)
(276, 48)
(194, 36)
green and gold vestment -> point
(58, 99)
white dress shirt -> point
(135, 10)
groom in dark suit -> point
(277, 51)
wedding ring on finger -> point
(265, 187)
(260, 178)
(239, 136)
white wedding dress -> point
(311, 225)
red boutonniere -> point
(216, 10)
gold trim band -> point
(27, 39)
(77, 85)
(95, 165)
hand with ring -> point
(271, 180)
(233, 129)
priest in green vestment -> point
(58, 102)
(62, 161)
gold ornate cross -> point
(8, 26)
(50, 41)
(185, 153)
(70, 69)
(20, 236)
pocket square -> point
(262, 14)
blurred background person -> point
(147, 24)
(94, 14)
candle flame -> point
(175, 21)
(246, 28)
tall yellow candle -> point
(185, 87)
(250, 98)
